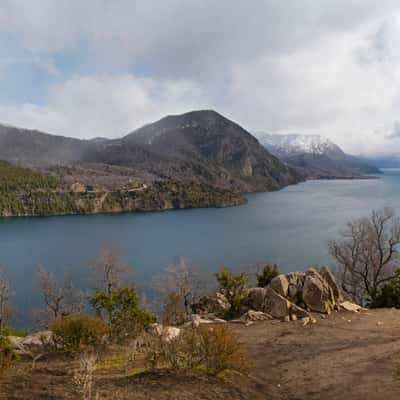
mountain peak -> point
(296, 144)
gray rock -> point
(32, 344)
(256, 298)
(329, 278)
(298, 311)
(280, 284)
(217, 305)
(317, 294)
(276, 305)
(295, 288)
(252, 315)
(166, 333)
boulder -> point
(32, 344)
(298, 311)
(349, 306)
(217, 305)
(317, 295)
(329, 278)
(280, 284)
(295, 286)
(275, 304)
(252, 315)
(256, 298)
(166, 333)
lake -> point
(290, 227)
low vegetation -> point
(208, 350)
(75, 333)
(121, 310)
(388, 295)
(269, 272)
(233, 288)
(7, 354)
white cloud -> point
(110, 106)
(329, 67)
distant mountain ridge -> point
(201, 146)
(315, 156)
(295, 144)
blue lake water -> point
(290, 227)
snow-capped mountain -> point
(294, 144)
(315, 156)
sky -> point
(106, 67)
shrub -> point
(269, 272)
(387, 296)
(120, 308)
(75, 332)
(7, 331)
(218, 350)
(7, 354)
(233, 288)
(208, 350)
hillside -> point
(315, 156)
(25, 192)
(200, 146)
(206, 146)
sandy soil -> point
(344, 356)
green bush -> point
(233, 288)
(269, 272)
(7, 331)
(387, 296)
(7, 354)
(75, 332)
(120, 308)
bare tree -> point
(110, 269)
(84, 374)
(5, 294)
(367, 254)
(61, 298)
(181, 286)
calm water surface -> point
(290, 227)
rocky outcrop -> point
(296, 294)
(217, 305)
(288, 297)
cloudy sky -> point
(105, 67)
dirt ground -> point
(343, 356)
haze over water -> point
(290, 227)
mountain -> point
(213, 148)
(35, 148)
(315, 156)
(292, 144)
(207, 158)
